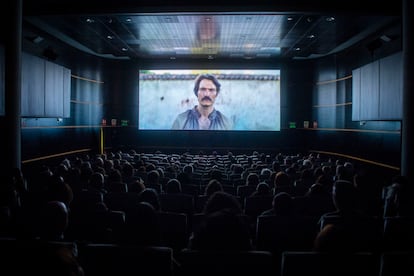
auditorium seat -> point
(115, 259)
(285, 233)
(397, 263)
(368, 229)
(255, 205)
(40, 257)
(399, 233)
(200, 263)
(299, 263)
(174, 230)
(177, 202)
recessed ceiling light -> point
(385, 38)
(330, 19)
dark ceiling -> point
(209, 34)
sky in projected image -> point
(249, 98)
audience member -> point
(282, 205)
(222, 200)
(151, 196)
(398, 197)
(173, 186)
(53, 222)
(221, 229)
(142, 226)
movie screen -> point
(219, 100)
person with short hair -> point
(204, 116)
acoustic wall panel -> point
(356, 94)
(377, 90)
(370, 91)
(33, 86)
(390, 89)
(45, 88)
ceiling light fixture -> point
(385, 38)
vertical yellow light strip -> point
(101, 141)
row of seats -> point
(274, 233)
(36, 256)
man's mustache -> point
(206, 98)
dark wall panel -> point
(181, 141)
(2, 81)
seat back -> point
(197, 262)
(255, 205)
(115, 259)
(398, 233)
(327, 264)
(397, 263)
(174, 230)
(367, 230)
(179, 203)
(285, 233)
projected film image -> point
(219, 100)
